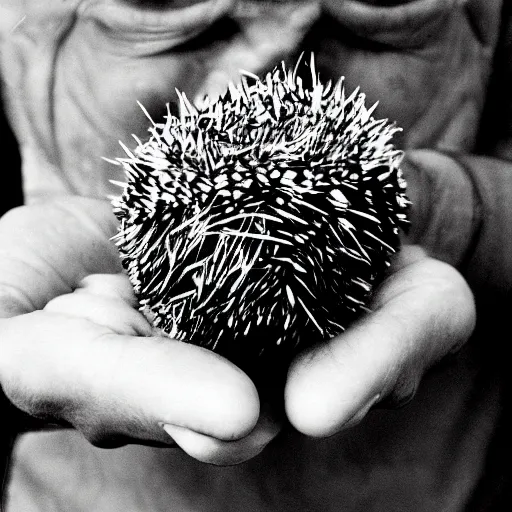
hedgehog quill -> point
(258, 224)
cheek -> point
(111, 84)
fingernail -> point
(172, 430)
(358, 416)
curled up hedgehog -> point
(258, 224)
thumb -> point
(117, 388)
(422, 311)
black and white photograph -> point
(255, 255)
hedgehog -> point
(258, 224)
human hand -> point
(88, 358)
(75, 351)
(420, 313)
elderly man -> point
(76, 352)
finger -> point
(115, 286)
(108, 311)
(46, 249)
(226, 453)
(109, 385)
(421, 313)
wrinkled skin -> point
(72, 350)
(73, 72)
(88, 63)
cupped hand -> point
(420, 313)
(75, 351)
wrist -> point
(445, 210)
